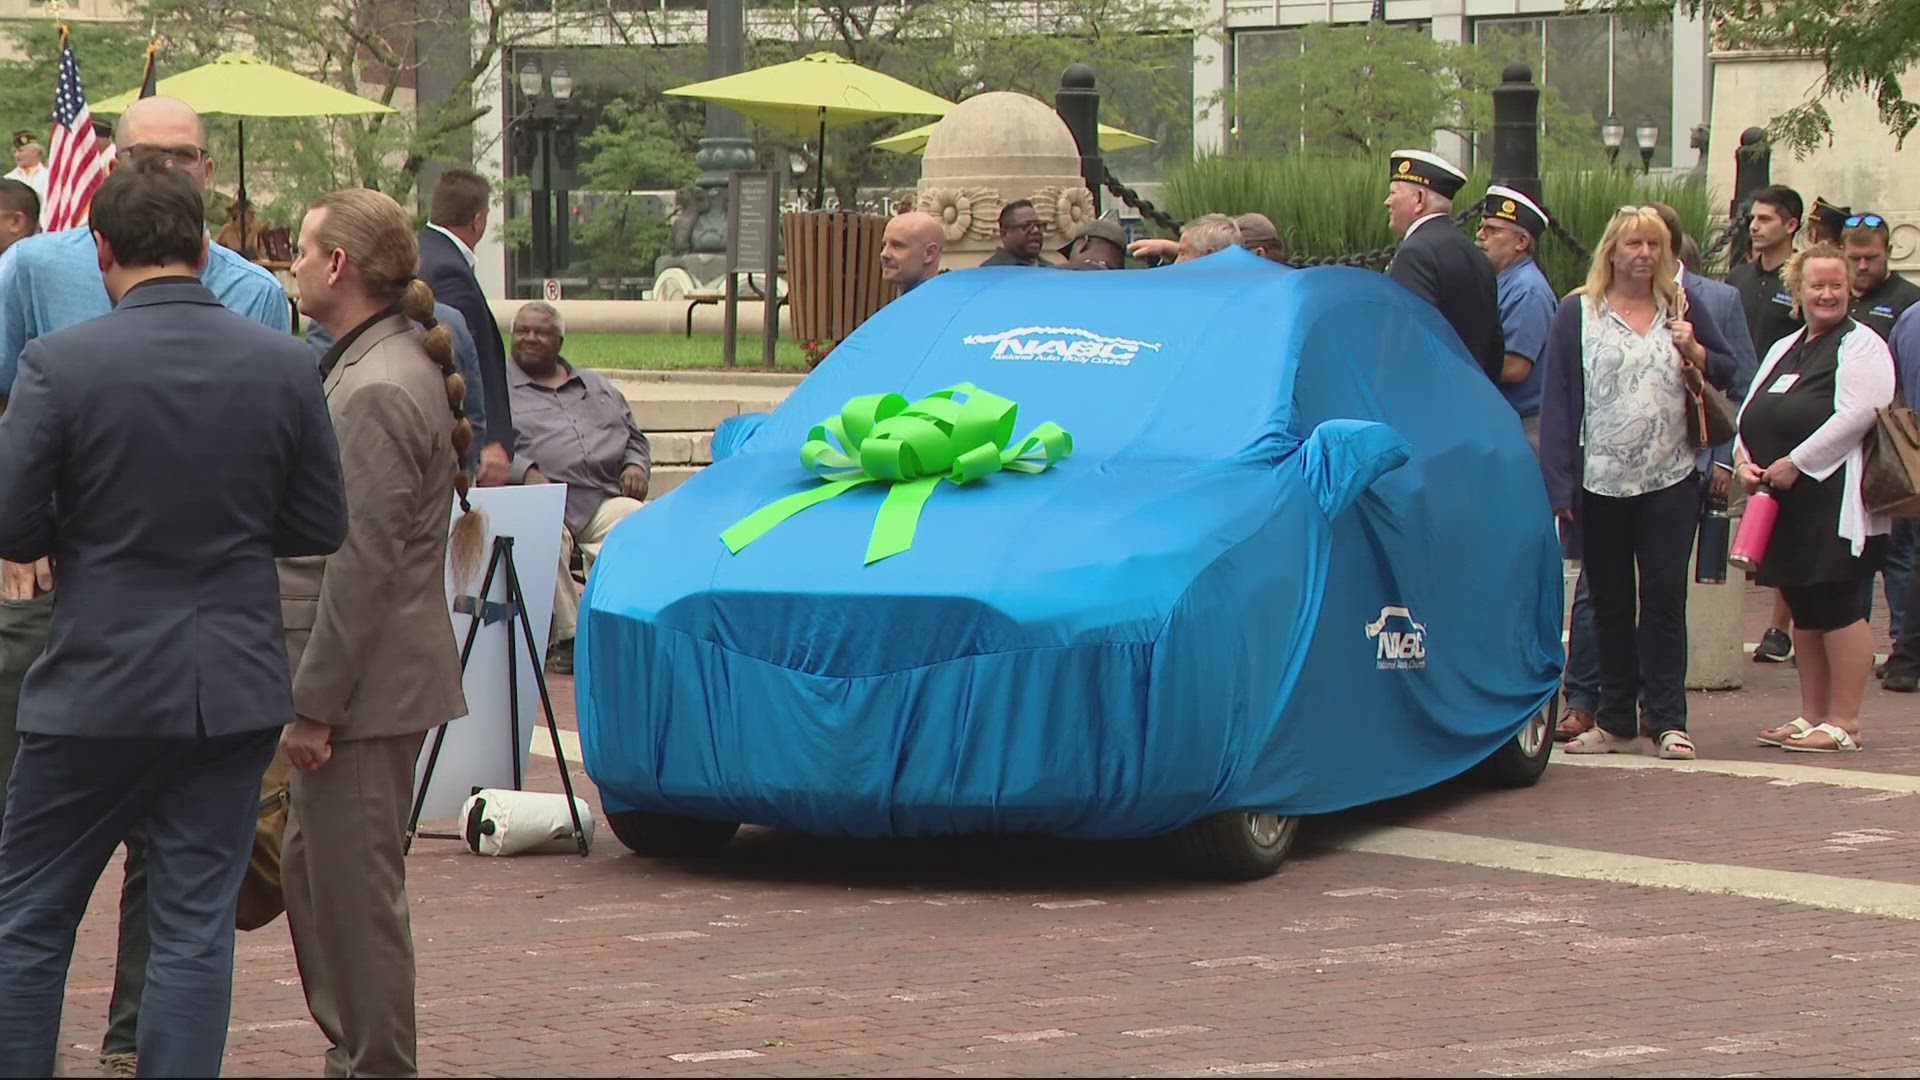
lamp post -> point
(1648, 136)
(1612, 134)
(546, 145)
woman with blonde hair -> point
(1802, 433)
(369, 634)
(1621, 475)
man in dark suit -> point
(456, 220)
(1437, 261)
(163, 455)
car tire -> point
(1522, 760)
(1236, 846)
(670, 835)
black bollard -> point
(1516, 131)
(1078, 103)
(1752, 170)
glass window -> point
(1260, 59)
(1598, 65)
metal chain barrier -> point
(1138, 202)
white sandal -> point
(1676, 746)
(1843, 743)
(1798, 726)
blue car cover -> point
(1300, 558)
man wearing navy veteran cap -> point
(1510, 228)
(30, 167)
(1436, 261)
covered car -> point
(1298, 559)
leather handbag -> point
(261, 897)
(1711, 419)
(1892, 482)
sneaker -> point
(119, 1064)
(560, 657)
(1775, 646)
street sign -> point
(551, 289)
(753, 248)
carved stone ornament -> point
(1073, 212)
(966, 212)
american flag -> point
(75, 165)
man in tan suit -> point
(374, 658)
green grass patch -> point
(672, 352)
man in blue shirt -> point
(1510, 228)
(47, 283)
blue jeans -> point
(1582, 675)
(1901, 545)
(70, 804)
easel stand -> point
(486, 612)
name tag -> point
(1783, 300)
(1784, 383)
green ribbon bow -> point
(959, 434)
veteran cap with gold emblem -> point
(1832, 218)
(1427, 170)
(23, 137)
(1505, 204)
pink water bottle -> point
(1756, 528)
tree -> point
(1864, 46)
(110, 56)
(634, 149)
(1372, 88)
(1142, 55)
(374, 48)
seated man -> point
(573, 428)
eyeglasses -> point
(1625, 210)
(186, 155)
(1027, 226)
(1871, 221)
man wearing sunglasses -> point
(1022, 234)
(49, 282)
(1879, 294)
(1880, 297)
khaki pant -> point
(345, 874)
(567, 587)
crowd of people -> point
(247, 534)
(1804, 345)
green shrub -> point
(1328, 205)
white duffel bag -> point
(496, 821)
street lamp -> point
(546, 145)
(1612, 134)
(1648, 136)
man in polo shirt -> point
(1772, 225)
(1436, 261)
(1880, 297)
(49, 282)
(573, 427)
(1510, 228)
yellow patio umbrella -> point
(240, 85)
(807, 94)
(915, 141)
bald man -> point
(910, 250)
(49, 282)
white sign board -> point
(552, 289)
(475, 753)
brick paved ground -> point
(801, 957)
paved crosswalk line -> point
(1859, 896)
(1765, 770)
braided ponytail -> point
(376, 233)
(470, 532)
